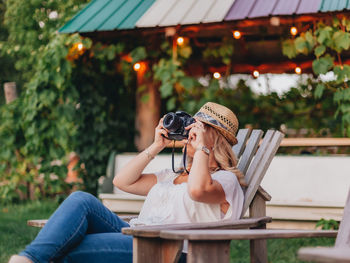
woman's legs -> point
(80, 214)
(103, 247)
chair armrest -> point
(37, 222)
(127, 218)
(325, 254)
(243, 234)
(154, 230)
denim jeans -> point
(82, 229)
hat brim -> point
(228, 136)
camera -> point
(176, 123)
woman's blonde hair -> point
(223, 155)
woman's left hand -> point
(196, 136)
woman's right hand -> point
(159, 140)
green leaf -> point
(322, 65)
(301, 45)
(138, 54)
(342, 73)
(319, 50)
(319, 90)
(170, 105)
(288, 48)
(341, 40)
(166, 90)
(324, 35)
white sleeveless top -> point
(169, 203)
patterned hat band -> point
(210, 119)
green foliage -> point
(327, 42)
(73, 100)
(330, 224)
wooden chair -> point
(341, 250)
(149, 246)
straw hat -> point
(220, 118)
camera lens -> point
(172, 122)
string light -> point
(137, 66)
(80, 46)
(256, 74)
(237, 34)
(217, 75)
(180, 41)
(293, 30)
(298, 70)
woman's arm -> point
(201, 187)
(129, 178)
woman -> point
(83, 230)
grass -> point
(15, 235)
(14, 232)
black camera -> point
(176, 123)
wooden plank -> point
(260, 170)
(198, 12)
(259, 155)
(343, 238)
(154, 231)
(177, 13)
(325, 254)
(208, 251)
(242, 137)
(156, 250)
(218, 11)
(146, 250)
(291, 142)
(243, 234)
(156, 13)
(37, 222)
(258, 248)
(250, 150)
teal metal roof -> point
(334, 5)
(104, 15)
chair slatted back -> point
(343, 237)
(250, 150)
(242, 137)
(259, 165)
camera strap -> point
(183, 160)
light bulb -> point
(137, 66)
(256, 74)
(80, 46)
(217, 75)
(237, 34)
(298, 70)
(293, 30)
(180, 41)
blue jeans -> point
(82, 229)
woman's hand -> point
(159, 140)
(197, 137)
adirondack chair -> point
(340, 252)
(148, 243)
(147, 246)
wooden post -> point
(147, 109)
(208, 251)
(156, 250)
(258, 248)
(10, 91)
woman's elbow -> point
(117, 183)
(196, 194)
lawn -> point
(15, 234)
